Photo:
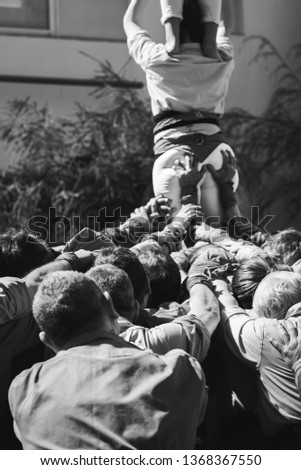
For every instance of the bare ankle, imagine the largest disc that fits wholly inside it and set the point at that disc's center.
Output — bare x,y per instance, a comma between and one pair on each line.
172,35
209,45
210,51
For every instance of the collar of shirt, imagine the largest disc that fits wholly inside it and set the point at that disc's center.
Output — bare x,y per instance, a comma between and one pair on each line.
89,337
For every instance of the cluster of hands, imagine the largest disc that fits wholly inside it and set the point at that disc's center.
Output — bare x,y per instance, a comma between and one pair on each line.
158,212
188,174
204,264
158,209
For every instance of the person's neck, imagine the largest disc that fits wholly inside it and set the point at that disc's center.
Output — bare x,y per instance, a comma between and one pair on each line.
87,336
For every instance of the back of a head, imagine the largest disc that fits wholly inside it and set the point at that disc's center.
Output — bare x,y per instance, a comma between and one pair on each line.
125,259
191,25
286,245
276,293
117,283
66,304
21,252
249,274
249,251
164,276
147,244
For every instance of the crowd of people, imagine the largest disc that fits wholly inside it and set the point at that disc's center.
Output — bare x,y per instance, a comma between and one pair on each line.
179,328
135,338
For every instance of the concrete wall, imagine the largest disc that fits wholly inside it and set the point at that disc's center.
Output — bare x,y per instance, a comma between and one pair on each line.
279,22
54,57
275,19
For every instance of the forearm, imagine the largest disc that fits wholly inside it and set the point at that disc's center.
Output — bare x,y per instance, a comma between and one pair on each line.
172,235
209,234
16,295
15,299
33,279
204,305
237,326
133,15
224,296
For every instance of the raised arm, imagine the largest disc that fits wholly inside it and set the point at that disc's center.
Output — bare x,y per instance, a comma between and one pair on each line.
133,15
16,295
81,260
204,305
203,302
191,332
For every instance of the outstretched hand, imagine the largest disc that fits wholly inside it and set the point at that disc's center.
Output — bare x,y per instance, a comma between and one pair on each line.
227,170
158,207
187,172
189,178
155,212
188,213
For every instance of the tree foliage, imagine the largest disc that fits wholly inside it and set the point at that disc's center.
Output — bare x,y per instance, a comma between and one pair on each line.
102,157
268,147
94,159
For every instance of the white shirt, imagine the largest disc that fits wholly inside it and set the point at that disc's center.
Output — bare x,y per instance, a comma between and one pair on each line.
186,81
187,332
279,401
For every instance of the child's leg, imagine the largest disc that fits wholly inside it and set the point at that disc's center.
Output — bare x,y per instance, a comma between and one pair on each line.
219,201
212,10
171,18
210,201
165,179
216,160
167,182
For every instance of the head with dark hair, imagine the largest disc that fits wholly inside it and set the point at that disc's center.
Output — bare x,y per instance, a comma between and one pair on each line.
68,303
276,294
250,273
117,283
21,252
164,275
125,259
191,26
286,245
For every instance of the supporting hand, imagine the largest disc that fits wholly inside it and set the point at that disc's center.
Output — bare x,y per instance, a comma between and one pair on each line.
290,345
227,170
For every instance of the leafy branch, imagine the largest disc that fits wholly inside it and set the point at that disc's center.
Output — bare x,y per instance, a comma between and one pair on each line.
268,147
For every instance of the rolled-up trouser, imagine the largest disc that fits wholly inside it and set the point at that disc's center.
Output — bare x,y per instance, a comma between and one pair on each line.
166,181
174,9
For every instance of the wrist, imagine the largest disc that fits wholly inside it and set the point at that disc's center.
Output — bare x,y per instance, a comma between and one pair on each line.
137,222
221,284
177,228
71,259
192,282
